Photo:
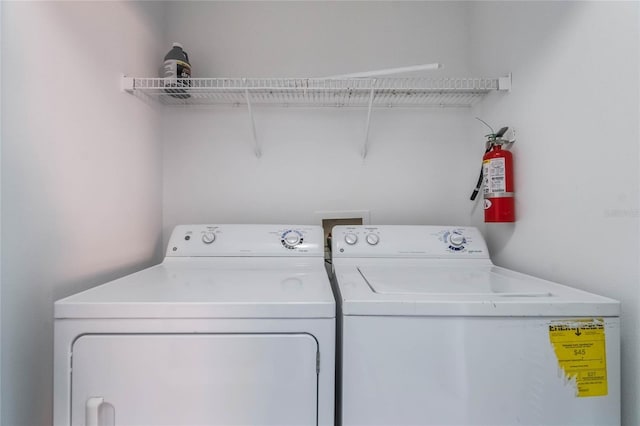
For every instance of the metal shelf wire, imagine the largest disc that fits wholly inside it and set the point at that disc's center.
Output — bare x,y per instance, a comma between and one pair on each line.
310,92
366,93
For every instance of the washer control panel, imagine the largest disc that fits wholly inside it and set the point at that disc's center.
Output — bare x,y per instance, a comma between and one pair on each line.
245,240
408,241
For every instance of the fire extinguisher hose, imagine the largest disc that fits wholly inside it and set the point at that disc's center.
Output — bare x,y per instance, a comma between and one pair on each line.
476,190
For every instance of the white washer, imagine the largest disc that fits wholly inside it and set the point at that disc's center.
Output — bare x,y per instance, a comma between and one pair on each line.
235,327
432,333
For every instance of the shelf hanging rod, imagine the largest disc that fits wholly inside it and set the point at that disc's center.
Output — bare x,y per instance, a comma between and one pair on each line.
256,146
372,94
387,71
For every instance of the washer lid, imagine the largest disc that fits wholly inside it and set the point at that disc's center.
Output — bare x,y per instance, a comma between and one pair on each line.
211,288
447,281
424,288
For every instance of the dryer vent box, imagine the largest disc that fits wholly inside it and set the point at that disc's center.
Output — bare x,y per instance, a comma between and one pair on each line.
329,219
328,224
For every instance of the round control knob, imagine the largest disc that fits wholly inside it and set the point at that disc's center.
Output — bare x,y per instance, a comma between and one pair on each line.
372,239
456,239
351,239
291,238
208,237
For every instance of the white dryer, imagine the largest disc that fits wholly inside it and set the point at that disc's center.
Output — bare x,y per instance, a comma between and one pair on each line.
432,333
235,327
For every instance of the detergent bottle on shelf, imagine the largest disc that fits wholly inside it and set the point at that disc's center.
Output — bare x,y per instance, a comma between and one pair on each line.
177,72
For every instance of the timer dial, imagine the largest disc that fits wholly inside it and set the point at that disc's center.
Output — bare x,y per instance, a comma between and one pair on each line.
456,239
290,239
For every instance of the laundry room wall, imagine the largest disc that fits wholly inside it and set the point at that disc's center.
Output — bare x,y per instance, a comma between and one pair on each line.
81,173
575,108
0,214
419,168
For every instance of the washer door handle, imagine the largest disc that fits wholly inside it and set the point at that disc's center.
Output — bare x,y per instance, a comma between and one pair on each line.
91,411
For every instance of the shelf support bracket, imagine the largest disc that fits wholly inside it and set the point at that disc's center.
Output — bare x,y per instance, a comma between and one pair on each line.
366,130
504,83
256,147
127,84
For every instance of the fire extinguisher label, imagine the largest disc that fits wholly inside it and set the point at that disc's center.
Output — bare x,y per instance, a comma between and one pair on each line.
494,175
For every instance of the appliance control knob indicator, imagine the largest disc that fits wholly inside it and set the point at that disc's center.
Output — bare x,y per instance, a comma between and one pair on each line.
290,239
208,237
456,241
373,239
351,238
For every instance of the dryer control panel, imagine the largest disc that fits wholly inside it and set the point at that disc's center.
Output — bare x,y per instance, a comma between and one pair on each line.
246,240
408,241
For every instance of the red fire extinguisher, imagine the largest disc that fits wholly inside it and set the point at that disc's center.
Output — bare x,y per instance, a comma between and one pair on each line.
497,177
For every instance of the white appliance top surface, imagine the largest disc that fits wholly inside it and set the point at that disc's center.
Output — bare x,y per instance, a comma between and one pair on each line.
211,288
220,271
448,281
443,271
449,287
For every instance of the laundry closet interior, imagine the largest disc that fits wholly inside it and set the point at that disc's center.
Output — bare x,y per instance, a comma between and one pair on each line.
95,174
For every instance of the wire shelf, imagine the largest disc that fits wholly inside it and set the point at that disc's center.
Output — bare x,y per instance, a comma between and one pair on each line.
315,92
309,92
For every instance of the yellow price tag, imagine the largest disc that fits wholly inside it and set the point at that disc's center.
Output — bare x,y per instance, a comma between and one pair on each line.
579,345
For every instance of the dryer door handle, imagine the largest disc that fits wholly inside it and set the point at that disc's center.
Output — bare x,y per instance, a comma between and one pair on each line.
92,408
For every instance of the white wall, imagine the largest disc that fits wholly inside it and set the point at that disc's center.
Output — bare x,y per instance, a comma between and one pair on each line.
81,173
0,214
575,107
421,166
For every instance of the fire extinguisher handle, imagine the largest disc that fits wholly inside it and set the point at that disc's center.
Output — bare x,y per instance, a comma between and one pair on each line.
501,132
